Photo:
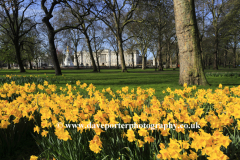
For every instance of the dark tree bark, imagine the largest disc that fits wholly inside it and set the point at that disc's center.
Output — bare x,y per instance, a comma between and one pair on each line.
117,60
52,47
234,51
155,63
76,57
215,54
225,55
177,58
209,63
30,64
18,55
90,52
37,66
191,71
168,56
159,55
120,46
51,32
8,66
97,62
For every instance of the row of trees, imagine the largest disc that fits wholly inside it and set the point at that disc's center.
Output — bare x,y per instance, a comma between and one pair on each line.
158,27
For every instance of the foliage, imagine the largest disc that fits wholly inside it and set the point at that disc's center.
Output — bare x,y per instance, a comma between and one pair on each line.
223,74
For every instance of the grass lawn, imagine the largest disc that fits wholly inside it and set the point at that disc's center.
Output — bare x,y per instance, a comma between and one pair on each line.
115,79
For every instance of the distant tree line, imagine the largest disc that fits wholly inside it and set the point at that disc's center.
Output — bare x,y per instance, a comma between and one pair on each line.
209,37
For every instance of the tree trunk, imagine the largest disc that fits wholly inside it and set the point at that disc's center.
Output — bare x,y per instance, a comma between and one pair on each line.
117,60
76,57
206,62
160,65
191,71
155,63
170,61
8,66
209,60
215,54
167,62
143,62
30,64
18,54
219,61
201,44
37,66
52,48
97,62
225,56
234,51
168,56
132,60
54,54
120,47
90,52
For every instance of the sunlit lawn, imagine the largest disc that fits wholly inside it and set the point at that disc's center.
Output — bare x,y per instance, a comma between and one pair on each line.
115,79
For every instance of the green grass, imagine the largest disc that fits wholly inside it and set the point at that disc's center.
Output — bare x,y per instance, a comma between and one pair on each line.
115,79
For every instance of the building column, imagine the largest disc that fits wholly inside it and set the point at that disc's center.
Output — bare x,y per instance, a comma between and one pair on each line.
74,60
39,63
135,57
109,58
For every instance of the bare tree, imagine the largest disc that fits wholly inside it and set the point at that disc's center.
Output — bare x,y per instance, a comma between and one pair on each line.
86,23
216,9
112,41
52,32
98,42
13,22
74,36
116,15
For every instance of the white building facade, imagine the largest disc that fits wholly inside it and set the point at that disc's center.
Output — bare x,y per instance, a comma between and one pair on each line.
108,58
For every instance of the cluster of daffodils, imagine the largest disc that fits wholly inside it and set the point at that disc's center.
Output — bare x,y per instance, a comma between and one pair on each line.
218,114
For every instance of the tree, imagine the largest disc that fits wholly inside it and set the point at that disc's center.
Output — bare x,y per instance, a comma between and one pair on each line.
13,22
161,16
131,46
201,15
191,71
142,34
74,36
216,8
7,50
112,41
86,21
116,15
153,49
98,42
52,32
7,53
